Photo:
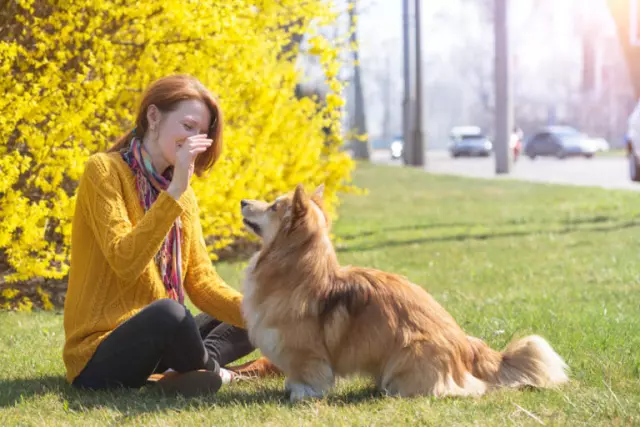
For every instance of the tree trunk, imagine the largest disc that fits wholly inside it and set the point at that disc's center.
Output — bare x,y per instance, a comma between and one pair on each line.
361,149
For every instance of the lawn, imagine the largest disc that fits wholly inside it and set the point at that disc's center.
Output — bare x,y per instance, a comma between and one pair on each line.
614,152
505,258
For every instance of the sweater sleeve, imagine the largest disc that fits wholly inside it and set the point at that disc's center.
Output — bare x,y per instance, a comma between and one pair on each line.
205,287
128,249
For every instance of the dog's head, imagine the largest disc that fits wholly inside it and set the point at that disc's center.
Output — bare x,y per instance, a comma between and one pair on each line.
287,214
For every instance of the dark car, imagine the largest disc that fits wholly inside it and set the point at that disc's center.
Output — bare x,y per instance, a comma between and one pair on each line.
560,142
469,141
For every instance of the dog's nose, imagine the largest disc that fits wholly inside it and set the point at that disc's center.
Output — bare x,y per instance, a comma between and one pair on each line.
243,203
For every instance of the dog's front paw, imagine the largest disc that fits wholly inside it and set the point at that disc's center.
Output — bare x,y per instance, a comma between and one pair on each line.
299,391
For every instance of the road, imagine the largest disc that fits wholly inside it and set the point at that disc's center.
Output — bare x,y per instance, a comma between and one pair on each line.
603,171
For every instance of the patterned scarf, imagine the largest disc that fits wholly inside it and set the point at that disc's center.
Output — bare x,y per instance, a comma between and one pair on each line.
149,183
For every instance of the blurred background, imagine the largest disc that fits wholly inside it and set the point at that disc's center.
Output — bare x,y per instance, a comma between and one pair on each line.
570,78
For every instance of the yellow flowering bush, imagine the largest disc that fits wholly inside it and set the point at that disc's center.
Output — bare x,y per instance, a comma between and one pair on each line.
13,299
44,299
73,72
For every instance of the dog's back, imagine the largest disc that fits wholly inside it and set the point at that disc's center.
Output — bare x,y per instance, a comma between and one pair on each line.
373,322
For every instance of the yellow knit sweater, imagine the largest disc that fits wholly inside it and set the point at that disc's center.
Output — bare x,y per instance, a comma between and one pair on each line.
113,274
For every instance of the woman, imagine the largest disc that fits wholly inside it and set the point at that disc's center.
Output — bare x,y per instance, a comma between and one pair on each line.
137,248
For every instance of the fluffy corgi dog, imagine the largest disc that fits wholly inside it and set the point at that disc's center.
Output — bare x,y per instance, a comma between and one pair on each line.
317,320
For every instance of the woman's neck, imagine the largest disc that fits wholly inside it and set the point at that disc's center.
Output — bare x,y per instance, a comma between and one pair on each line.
157,159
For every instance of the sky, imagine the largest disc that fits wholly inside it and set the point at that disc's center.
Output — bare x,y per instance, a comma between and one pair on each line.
540,31
381,20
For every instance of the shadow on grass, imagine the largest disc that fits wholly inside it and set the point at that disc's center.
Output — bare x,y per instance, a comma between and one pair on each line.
147,400
570,227
598,219
367,233
591,220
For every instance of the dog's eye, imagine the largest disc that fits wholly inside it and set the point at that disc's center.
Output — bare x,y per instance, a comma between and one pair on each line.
274,207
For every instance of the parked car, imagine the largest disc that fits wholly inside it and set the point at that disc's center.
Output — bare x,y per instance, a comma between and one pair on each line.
602,144
469,141
561,142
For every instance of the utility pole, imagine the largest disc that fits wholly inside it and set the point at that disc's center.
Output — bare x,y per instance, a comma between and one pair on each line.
502,72
418,141
407,110
360,148
413,106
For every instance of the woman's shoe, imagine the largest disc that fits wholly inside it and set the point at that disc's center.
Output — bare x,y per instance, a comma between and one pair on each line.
228,376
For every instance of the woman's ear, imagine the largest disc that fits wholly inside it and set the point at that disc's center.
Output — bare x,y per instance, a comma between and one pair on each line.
153,117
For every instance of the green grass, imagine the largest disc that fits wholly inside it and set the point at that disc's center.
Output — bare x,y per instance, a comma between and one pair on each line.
505,258
615,152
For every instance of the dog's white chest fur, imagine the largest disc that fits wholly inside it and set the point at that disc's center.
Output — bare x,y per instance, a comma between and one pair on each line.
249,309
267,339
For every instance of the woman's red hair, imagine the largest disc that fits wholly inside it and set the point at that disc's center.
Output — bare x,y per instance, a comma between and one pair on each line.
166,93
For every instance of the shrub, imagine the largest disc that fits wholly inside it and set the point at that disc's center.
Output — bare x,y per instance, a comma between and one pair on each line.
73,73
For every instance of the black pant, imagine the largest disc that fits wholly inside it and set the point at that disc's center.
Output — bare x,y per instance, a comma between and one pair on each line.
163,335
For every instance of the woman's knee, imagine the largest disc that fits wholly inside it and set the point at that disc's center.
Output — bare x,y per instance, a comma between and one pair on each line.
169,313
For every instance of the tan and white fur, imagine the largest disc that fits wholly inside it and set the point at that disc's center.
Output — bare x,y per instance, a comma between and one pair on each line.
317,320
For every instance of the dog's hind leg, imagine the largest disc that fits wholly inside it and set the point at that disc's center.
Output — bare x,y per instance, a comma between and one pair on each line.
308,378
409,374
407,383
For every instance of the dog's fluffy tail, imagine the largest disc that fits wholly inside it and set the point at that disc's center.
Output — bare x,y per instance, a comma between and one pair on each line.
529,361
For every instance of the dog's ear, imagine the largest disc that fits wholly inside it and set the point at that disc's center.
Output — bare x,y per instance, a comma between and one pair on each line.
298,209
300,202
317,196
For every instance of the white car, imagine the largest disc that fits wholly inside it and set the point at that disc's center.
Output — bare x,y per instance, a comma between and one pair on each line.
397,147
601,144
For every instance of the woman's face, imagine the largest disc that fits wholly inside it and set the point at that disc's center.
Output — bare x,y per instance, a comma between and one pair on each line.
168,131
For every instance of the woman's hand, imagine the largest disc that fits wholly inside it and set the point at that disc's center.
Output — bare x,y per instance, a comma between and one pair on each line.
184,167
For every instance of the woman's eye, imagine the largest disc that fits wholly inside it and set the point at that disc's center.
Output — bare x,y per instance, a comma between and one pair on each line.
188,127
